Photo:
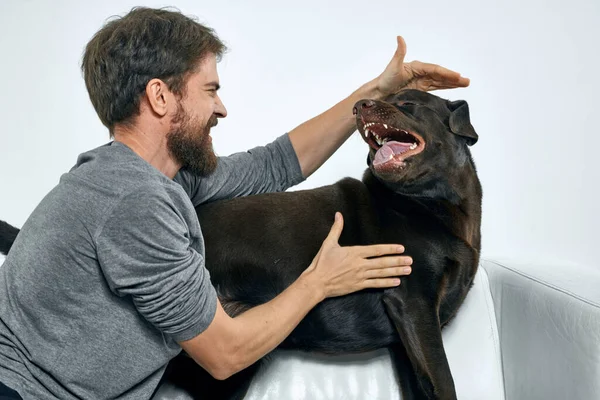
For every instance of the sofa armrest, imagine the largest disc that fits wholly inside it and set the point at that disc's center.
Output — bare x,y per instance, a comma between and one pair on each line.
549,325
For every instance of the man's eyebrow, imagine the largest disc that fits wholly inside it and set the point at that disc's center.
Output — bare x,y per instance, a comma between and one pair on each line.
215,85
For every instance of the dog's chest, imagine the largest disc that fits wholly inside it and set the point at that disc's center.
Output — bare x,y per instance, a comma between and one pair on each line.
425,237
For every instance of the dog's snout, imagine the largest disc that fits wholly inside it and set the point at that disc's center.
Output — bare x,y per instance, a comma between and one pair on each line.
366,103
361,105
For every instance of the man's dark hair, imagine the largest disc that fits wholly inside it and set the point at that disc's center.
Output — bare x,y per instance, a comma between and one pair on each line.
129,51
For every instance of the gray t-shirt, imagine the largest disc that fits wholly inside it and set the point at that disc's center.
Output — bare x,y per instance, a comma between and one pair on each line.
108,274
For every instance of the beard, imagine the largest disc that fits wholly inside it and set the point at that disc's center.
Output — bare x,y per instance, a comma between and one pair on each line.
190,145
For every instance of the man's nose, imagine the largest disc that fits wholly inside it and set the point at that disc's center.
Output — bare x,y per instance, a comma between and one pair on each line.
220,110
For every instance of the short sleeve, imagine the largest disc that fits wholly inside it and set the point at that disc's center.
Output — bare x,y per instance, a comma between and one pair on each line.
144,250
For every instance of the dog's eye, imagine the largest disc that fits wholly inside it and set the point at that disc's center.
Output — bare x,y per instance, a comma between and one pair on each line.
406,103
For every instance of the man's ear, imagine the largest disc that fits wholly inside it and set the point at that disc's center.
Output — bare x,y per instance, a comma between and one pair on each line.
460,122
157,93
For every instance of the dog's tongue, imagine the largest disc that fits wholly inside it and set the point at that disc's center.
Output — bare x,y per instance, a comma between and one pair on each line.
389,150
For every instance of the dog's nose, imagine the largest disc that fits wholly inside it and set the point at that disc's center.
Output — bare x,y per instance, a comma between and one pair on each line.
362,104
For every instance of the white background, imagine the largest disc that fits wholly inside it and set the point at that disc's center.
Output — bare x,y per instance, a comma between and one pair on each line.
533,97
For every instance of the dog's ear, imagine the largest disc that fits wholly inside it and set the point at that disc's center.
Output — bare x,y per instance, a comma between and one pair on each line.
460,121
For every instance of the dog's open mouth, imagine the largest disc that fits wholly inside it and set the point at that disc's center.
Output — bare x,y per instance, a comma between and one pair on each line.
392,145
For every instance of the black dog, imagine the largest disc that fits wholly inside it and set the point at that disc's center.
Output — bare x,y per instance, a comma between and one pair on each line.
421,190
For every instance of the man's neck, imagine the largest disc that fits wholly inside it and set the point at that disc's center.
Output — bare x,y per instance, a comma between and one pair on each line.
150,146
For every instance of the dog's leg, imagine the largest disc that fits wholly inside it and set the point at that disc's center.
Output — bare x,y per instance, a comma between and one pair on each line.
418,326
405,373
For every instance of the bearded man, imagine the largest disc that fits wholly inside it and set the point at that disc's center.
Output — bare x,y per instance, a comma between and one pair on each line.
106,281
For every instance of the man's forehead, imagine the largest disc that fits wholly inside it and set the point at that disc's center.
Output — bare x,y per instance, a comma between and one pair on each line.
206,71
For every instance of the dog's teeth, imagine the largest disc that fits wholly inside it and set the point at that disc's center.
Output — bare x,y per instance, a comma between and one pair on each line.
385,126
414,146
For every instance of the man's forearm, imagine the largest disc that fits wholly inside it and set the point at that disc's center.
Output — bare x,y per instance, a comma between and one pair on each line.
318,138
262,328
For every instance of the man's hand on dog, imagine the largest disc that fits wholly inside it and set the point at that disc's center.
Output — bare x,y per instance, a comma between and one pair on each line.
399,75
341,270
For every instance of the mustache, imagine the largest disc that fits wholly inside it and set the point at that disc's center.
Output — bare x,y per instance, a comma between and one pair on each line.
213,121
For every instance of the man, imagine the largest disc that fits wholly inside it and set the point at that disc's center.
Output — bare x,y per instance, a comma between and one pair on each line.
106,281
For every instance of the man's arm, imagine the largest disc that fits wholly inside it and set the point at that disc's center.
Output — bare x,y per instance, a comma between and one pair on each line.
229,345
293,157
263,169
318,138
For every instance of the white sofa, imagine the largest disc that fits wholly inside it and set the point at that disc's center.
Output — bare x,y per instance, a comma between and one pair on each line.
525,331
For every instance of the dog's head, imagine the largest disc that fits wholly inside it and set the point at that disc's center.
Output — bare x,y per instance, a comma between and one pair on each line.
415,138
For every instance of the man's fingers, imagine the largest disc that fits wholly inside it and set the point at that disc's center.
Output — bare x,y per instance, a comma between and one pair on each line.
440,84
441,78
377,250
387,272
401,50
336,228
463,82
381,283
391,261
436,72
398,59
395,261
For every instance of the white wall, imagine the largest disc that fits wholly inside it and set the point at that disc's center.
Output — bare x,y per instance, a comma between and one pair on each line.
533,66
